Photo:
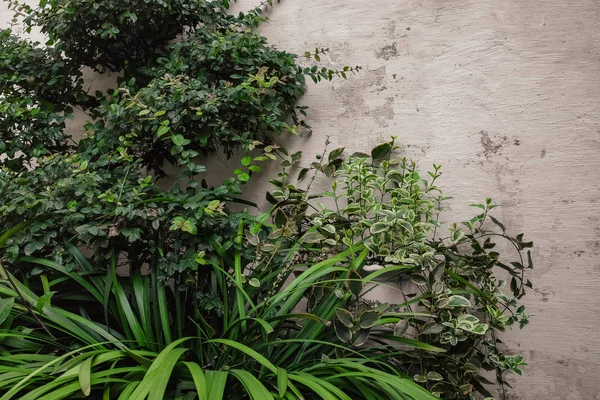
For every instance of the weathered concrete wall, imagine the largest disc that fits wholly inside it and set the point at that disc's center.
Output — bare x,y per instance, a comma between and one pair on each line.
506,96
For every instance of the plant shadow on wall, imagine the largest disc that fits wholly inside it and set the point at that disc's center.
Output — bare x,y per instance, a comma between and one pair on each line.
113,288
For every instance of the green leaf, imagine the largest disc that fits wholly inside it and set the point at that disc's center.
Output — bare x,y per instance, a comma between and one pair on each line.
312,237
199,378
248,351
270,198
189,226
255,389
302,173
407,226
457,301
360,337
6,306
342,332
85,376
345,317
500,224
401,327
354,282
282,381
369,318
432,328
162,130
179,140
44,300
217,381
246,160
329,228
31,247
381,151
379,227
254,282
336,153
143,112
244,177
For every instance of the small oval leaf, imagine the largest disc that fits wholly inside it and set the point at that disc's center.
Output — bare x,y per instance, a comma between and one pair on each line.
345,317
342,332
401,327
381,151
360,337
369,318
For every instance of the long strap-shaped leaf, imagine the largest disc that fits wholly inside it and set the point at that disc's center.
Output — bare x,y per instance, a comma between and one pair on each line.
156,379
216,381
255,389
199,380
252,353
25,381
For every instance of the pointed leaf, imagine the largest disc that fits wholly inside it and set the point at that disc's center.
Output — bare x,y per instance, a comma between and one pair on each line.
282,381
85,376
6,306
354,282
336,153
457,301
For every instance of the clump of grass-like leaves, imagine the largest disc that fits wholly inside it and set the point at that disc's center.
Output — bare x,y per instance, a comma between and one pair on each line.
67,335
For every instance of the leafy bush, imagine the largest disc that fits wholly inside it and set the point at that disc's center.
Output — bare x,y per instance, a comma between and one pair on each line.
383,203
116,283
217,86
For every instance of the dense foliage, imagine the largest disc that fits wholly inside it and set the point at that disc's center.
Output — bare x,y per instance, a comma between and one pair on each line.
119,282
69,335
383,203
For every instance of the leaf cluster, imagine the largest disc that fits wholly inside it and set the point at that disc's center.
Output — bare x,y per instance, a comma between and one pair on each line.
383,202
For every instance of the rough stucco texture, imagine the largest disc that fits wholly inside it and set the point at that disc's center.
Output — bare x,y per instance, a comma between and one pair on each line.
506,96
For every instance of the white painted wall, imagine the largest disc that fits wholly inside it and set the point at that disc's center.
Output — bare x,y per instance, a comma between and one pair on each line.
506,96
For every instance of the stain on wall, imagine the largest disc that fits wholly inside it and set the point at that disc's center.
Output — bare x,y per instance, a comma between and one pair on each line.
506,96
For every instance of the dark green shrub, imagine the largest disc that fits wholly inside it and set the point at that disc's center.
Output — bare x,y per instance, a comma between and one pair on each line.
218,86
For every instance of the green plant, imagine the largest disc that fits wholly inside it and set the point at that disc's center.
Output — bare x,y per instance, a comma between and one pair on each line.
383,202
202,82
176,296
71,335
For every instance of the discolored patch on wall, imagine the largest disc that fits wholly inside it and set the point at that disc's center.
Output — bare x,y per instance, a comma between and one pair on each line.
352,95
491,146
388,52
